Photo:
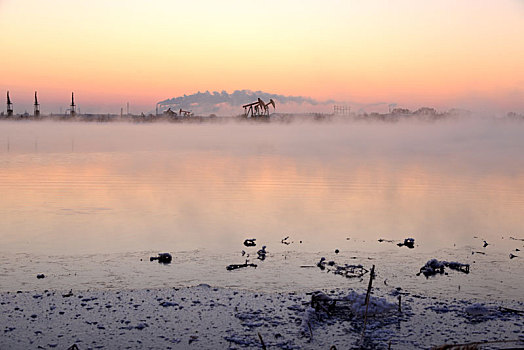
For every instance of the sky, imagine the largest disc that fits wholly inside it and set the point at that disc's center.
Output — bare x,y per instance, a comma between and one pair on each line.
443,54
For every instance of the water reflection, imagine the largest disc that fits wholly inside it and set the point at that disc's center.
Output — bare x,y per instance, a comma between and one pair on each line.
99,194
179,187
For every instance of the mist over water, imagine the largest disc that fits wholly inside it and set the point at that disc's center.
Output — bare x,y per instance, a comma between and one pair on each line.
83,191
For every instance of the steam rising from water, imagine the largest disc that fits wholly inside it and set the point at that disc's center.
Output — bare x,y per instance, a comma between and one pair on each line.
481,143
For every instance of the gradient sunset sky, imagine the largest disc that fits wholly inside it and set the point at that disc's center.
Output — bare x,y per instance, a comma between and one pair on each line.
466,54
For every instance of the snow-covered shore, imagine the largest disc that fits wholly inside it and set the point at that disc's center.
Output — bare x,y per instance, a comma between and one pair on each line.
205,317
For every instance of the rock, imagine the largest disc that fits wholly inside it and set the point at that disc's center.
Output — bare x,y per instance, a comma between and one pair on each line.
408,242
262,253
193,338
40,275
163,258
285,240
432,267
250,242
435,266
167,304
322,263
476,310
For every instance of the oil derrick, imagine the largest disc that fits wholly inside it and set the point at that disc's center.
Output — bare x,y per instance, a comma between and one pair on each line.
258,109
73,106
9,106
37,107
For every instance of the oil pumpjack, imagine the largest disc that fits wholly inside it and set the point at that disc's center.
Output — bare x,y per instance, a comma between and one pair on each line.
9,106
258,109
73,106
37,107
183,113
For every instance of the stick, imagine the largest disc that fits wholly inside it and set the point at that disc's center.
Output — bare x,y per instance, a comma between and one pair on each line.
399,303
369,285
371,275
262,341
459,346
505,309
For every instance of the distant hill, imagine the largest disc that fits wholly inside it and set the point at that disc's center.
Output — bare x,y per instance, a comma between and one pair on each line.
223,103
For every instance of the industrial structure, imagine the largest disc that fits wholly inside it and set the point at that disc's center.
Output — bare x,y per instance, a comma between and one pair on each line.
9,106
170,113
258,109
341,110
73,106
37,107
183,113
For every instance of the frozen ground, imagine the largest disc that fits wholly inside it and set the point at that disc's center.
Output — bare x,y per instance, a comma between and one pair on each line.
205,317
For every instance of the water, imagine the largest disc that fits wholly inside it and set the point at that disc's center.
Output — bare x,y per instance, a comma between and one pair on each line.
87,204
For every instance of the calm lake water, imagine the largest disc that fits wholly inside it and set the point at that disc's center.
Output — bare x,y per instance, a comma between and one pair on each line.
87,204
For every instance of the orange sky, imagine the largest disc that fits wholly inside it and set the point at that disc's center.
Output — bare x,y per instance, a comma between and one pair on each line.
439,53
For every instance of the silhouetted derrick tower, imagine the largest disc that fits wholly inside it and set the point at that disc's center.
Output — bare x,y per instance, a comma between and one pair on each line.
73,106
37,107
9,106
